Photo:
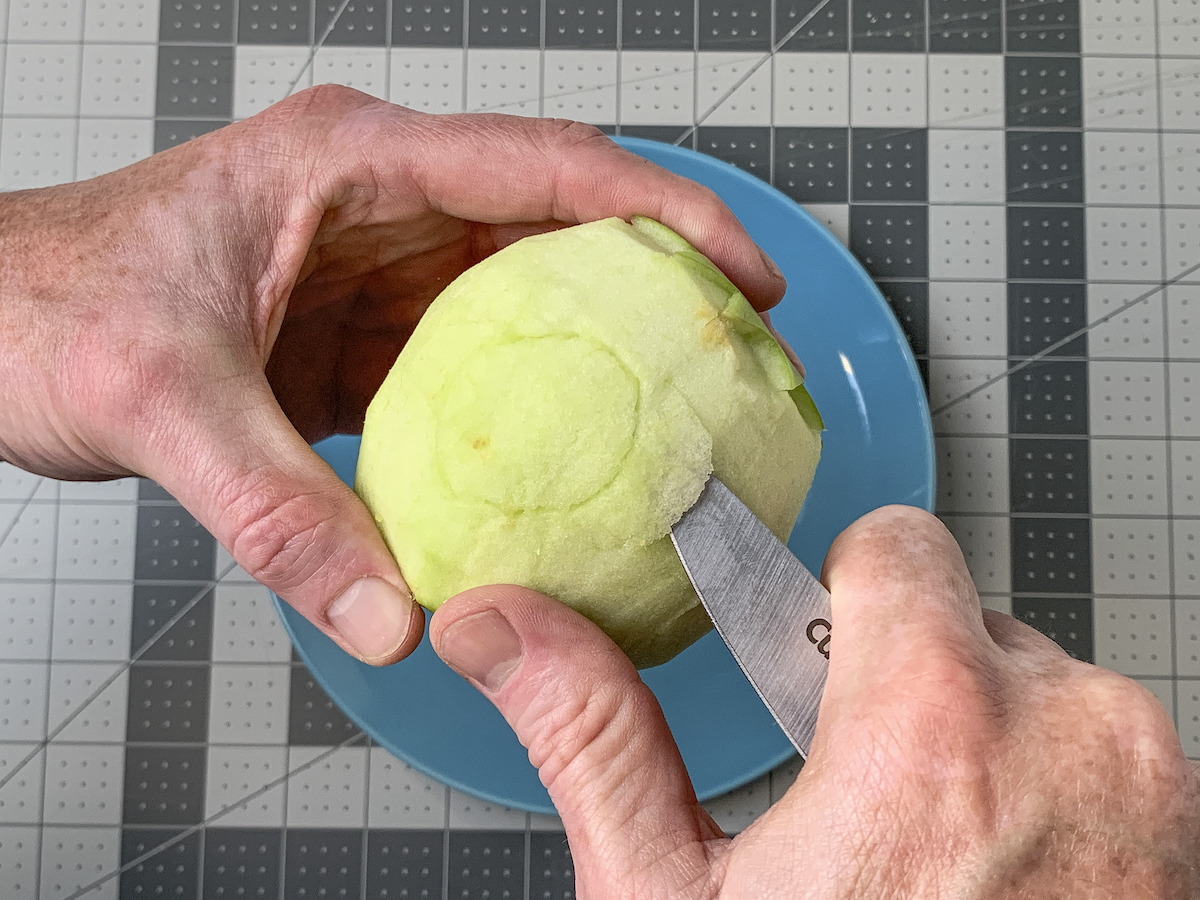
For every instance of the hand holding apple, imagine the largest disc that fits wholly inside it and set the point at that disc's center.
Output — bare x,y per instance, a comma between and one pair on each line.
201,316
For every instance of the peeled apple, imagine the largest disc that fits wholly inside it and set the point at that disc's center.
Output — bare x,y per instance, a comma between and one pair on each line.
560,406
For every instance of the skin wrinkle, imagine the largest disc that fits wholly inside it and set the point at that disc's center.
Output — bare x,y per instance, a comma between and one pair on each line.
557,150
662,858
579,722
653,850
278,533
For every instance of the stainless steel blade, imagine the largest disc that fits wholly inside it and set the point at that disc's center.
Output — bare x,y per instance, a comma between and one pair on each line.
773,614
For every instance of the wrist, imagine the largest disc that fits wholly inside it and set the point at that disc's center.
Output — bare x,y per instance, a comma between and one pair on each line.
37,269
108,285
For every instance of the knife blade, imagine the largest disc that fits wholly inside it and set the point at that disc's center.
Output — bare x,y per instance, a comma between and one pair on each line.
772,613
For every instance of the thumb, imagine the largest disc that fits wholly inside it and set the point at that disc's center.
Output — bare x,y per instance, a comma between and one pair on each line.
245,473
596,734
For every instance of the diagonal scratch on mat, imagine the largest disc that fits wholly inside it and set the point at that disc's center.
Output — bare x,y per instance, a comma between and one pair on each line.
117,673
192,829
21,510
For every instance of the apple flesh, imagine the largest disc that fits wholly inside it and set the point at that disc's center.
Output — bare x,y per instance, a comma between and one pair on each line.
561,405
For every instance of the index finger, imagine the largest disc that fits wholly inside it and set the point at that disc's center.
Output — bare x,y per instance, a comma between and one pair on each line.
511,169
903,606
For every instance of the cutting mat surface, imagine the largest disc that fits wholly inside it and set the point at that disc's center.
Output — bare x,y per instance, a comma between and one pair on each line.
1022,180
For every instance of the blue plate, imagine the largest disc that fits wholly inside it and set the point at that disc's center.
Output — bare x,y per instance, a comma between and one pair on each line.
878,450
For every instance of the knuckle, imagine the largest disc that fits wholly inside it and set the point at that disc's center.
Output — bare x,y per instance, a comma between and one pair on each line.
903,545
908,524
570,134
1109,690
581,726
303,123
326,99
951,684
558,141
1138,713
273,537
1128,727
942,700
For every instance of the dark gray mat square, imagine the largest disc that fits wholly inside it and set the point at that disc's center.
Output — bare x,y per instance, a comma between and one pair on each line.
170,133
172,546
1043,91
551,869
585,25
314,719
1042,26
812,165
195,80
824,31
1042,314
889,164
164,785
500,23
404,863
242,863
171,872
168,703
1044,166
657,25
427,23
1051,556
323,862
363,23
747,147
201,21
890,26
1049,396
275,22
891,241
735,25
486,864
1065,620
154,605
151,491
1049,475
909,301
965,26
1046,242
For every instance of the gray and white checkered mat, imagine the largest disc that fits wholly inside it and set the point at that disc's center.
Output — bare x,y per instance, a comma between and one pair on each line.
1021,179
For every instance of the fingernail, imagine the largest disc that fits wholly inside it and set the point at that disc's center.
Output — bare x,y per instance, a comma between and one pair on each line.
373,616
770,264
482,646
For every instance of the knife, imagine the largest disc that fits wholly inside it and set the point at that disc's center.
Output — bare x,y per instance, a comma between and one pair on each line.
772,613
